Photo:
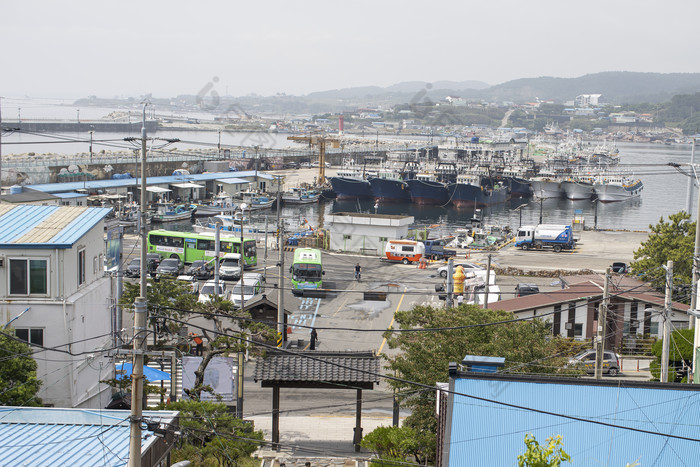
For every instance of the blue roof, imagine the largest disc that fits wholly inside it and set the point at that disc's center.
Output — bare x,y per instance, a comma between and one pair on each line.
29,226
488,433
58,437
130,182
70,195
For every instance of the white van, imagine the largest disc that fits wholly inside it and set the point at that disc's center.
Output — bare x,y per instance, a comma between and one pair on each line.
252,285
230,267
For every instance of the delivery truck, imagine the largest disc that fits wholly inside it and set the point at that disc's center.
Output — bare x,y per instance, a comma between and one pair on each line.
537,237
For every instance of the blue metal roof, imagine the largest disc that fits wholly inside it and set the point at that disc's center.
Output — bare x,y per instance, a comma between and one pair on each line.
487,433
29,226
121,183
59,437
70,195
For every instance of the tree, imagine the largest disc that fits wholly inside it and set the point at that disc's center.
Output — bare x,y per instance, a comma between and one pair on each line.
392,443
551,455
18,379
680,355
424,357
674,241
211,435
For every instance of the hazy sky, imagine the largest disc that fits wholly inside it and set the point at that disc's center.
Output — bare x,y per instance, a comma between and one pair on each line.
80,48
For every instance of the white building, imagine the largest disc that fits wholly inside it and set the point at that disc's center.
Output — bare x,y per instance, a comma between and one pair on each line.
54,294
366,233
587,100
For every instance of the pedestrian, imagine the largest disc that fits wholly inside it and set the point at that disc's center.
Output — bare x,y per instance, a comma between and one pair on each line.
200,344
314,336
460,299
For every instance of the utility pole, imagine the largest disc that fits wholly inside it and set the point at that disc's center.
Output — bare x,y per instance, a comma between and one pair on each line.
694,323
602,328
281,335
140,320
667,322
0,145
450,283
488,281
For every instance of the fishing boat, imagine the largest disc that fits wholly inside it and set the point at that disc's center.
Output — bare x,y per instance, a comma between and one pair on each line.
221,203
425,189
167,212
546,185
297,196
476,191
350,183
389,187
255,201
617,187
578,187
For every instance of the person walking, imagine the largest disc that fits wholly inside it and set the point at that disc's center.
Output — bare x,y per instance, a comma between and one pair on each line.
358,271
200,344
314,337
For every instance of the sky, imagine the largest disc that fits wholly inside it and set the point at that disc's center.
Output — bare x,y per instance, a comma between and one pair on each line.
167,48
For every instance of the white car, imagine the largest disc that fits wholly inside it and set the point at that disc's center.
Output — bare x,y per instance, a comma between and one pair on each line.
230,267
442,270
251,284
305,165
208,290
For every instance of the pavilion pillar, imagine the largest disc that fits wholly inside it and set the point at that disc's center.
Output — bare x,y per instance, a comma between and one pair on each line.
276,417
358,422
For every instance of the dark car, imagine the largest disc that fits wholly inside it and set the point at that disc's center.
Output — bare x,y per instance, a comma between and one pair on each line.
169,267
202,270
522,289
134,268
291,165
619,268
152,262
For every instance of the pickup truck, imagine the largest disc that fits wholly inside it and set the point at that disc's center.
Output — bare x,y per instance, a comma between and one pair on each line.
435,249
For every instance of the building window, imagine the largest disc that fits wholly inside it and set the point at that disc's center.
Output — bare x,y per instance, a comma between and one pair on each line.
347,237
29,276
578,329
383,239
33,336
81,266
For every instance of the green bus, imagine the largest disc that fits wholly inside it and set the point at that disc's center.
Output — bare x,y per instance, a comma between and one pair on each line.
191,247
307,270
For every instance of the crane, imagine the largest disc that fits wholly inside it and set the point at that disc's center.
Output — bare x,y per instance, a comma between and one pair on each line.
319,141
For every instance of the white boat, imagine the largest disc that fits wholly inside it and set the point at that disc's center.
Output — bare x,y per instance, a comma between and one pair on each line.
221,203
619,187
255,201
546,185
167,212
578,187
300,196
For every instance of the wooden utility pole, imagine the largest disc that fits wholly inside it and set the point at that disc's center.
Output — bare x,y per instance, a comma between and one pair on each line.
319,141
602,327
667,322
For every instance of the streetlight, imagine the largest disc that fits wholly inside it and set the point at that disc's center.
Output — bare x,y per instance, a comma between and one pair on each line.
78,111
240,259
19,114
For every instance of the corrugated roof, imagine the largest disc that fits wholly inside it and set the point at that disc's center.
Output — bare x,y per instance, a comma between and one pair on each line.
28,226
77,437
319,367
121,183
490,434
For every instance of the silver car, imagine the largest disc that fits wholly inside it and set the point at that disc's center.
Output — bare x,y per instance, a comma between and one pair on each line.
442,270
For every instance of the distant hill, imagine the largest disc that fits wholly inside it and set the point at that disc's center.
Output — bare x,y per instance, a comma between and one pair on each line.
616,87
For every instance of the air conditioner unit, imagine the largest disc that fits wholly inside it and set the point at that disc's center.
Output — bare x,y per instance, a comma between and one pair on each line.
568,325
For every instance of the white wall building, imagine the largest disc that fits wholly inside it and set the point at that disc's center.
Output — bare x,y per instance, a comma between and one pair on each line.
587,100
54,294
366,233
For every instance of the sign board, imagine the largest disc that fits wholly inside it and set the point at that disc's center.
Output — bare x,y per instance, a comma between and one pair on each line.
220,375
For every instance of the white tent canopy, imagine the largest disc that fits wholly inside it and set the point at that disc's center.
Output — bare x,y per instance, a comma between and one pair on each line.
187,185
157,189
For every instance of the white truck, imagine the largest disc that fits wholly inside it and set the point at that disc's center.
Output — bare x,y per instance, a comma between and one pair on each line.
556,236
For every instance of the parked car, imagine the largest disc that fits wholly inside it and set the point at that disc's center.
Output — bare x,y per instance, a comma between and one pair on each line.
169,267
252,285
229,267
191,281
442,270
152,262
619,268
586,360
202,269
209,288
291,165
134,268
306,165
522,289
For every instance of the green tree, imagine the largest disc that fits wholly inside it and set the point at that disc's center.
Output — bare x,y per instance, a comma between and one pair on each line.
18,379
424,356
675,241
392,443
551,455
211,435
680,355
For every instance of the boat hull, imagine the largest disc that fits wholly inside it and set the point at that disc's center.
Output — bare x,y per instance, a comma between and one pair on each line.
428,192
171,217
519,187
351,188
547,189
578,190
465,195
391,191
611,192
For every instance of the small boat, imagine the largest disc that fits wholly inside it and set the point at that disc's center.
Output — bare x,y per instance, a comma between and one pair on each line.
221,203
166,212
619,187
300,196
255,201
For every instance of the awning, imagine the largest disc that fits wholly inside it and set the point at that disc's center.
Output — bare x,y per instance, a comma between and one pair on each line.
233,181
187,185
157,189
